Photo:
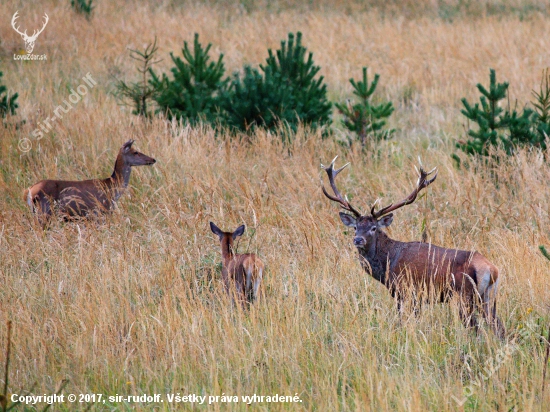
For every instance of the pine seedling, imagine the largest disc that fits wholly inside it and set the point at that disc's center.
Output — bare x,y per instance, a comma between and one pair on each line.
83,7
488,117
521,129
547,356
141,93
542,108
197,85
544,252
498,126
303,95
8,104
250,103
363,118
284,92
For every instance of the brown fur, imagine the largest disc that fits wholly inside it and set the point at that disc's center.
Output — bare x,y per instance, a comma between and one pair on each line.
427,271
424,270
243,272
86,197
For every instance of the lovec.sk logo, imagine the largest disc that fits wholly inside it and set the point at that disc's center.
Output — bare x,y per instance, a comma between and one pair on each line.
29,40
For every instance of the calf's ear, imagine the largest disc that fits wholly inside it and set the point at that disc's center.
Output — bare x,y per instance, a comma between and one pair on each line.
216,230
239,231
126,146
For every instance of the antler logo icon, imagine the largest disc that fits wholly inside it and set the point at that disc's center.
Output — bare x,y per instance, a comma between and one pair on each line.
29,40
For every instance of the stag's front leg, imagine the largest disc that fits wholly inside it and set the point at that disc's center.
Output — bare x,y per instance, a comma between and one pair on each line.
417,306
400,301
400,308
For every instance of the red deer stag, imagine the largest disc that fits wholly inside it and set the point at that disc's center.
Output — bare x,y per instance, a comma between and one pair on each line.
83,198
417,266
243,271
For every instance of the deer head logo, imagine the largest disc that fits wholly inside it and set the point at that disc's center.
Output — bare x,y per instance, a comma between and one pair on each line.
29,40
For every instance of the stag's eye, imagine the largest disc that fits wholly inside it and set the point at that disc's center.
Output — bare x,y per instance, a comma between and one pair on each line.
373,229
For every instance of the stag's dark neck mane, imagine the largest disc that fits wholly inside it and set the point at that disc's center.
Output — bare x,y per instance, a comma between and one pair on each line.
375,259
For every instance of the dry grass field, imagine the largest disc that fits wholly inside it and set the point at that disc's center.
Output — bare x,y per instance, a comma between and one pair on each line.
133,304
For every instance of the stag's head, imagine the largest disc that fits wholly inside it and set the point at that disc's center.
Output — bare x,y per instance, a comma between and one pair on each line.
29,40
134,158
368,226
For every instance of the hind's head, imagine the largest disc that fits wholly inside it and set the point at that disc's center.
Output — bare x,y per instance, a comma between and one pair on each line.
134,158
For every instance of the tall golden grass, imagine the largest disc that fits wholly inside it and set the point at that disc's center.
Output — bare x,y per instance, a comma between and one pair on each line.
134,304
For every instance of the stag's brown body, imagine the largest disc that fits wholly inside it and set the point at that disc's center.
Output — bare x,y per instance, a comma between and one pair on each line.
424,270
438,272
243,272
82,198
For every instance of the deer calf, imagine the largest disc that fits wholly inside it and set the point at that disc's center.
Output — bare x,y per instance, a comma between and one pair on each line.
417,266
83,198
244,272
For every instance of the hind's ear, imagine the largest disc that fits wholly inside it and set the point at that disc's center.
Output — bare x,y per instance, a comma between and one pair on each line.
126,146
239,231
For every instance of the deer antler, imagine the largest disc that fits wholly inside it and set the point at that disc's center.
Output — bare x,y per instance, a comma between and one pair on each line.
15,16
36,33
420,184
25,35
338,197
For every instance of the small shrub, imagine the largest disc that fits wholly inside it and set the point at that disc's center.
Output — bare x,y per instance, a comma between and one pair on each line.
363,118
142,93
8,104
286,92
303,94
542,108
83,7
544,252
502,127
249,101
489,117
197,86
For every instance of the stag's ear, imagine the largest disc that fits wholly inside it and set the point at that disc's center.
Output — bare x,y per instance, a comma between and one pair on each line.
239,231
216,230
348,220
126,146
386,220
